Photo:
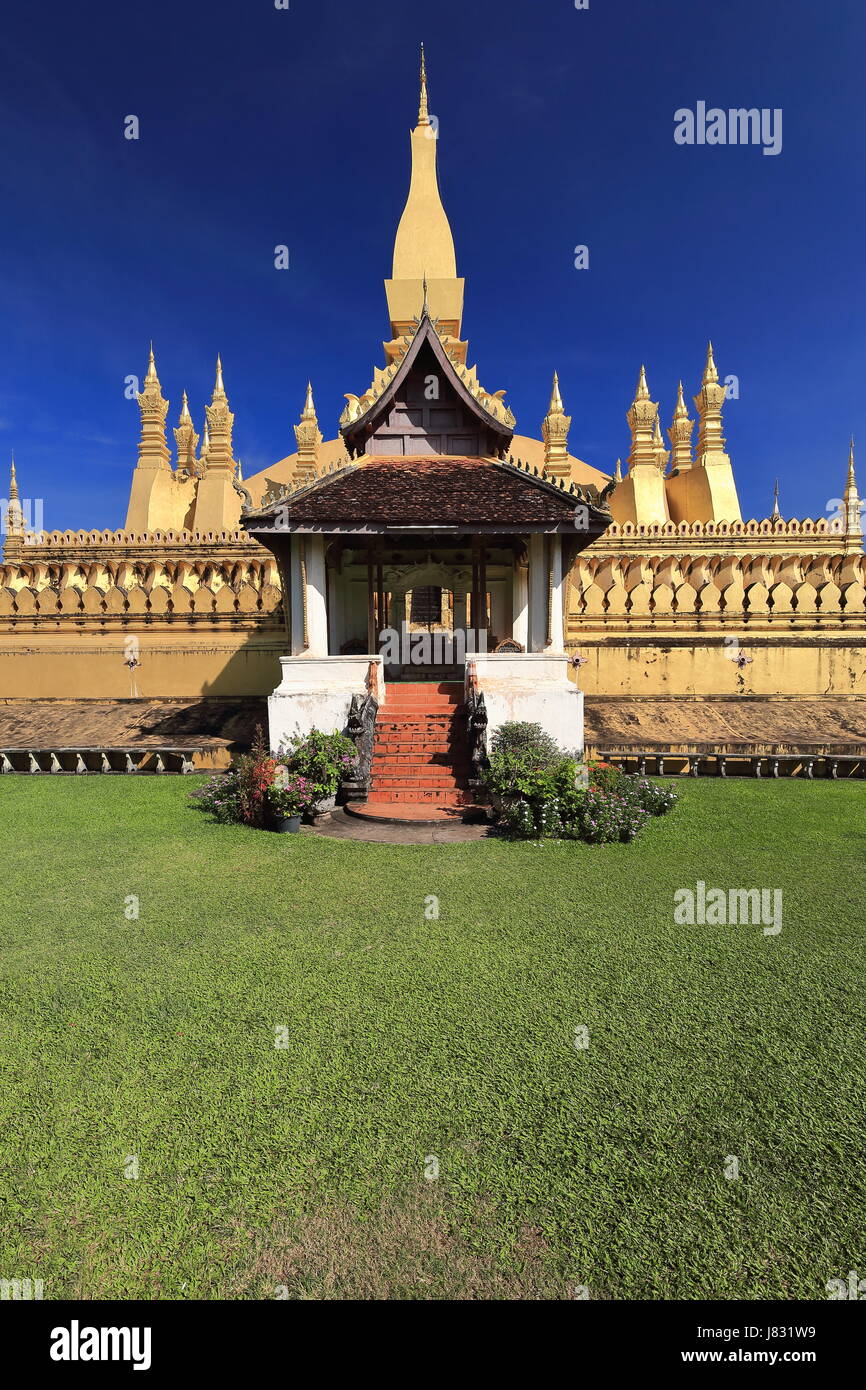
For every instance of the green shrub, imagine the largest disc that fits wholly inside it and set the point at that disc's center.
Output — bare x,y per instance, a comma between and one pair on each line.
540,800
323,759
520,754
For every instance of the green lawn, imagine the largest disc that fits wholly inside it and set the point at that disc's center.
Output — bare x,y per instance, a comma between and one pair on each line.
411,1040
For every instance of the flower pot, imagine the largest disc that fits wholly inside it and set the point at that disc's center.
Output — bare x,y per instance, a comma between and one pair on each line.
287,825
319,809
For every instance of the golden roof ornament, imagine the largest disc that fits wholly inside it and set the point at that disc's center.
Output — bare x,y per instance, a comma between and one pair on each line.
308,437
852,506
186,440
220,422
153,450
710,369
554,432
709,402
13,545
680,435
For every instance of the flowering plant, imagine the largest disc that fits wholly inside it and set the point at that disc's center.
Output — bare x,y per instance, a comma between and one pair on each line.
544,801
289,794
220,797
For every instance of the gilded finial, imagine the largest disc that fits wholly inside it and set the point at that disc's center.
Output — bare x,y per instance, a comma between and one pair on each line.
423,114
309,410
617,472
642,392
555,398
184,411
776,514
13,481
219,388
151,365
680,408
710,370
851,478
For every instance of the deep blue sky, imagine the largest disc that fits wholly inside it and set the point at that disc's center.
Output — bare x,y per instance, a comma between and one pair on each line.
261,126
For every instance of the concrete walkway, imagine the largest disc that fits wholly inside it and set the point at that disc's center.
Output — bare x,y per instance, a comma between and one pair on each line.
338,826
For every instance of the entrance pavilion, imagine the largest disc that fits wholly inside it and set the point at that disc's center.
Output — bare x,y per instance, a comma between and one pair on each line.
420,561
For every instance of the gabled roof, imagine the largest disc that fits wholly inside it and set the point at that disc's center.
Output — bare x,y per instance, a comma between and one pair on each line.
433,492
356,431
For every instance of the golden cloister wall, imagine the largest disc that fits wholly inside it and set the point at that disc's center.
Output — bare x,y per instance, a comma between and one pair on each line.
764,608
198,615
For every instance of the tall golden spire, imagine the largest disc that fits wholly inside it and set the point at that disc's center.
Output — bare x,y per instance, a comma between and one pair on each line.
424,246
423,113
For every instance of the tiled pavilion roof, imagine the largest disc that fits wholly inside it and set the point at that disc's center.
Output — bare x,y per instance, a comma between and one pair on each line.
429,490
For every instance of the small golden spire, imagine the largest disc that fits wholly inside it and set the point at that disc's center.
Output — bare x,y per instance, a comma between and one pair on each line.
423,113
642,392
219,389
184,411
12,545
205,441
151,365
617,472
776,515
680,407
239,474
555,398
852,482
710,370
309,410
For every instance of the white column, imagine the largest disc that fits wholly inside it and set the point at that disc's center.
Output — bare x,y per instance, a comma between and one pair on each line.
336,609
520,605
297,597
556,643
537,595
317,600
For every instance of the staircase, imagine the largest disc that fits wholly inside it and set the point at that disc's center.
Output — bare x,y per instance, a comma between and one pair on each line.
421,767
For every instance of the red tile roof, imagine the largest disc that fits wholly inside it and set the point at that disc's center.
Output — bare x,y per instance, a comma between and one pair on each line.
429,490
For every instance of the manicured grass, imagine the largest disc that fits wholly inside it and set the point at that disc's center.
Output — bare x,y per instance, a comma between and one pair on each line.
409,1039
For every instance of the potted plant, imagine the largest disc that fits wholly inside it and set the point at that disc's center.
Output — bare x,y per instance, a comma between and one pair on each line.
289,795
323,760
